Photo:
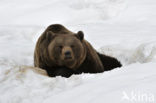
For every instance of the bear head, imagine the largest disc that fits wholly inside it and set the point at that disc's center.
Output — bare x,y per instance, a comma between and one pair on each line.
66,49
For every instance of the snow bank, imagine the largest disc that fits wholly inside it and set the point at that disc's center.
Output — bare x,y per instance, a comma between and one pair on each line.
24,84
143,53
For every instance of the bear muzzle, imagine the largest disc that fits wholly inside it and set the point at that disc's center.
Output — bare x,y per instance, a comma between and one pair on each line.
67,54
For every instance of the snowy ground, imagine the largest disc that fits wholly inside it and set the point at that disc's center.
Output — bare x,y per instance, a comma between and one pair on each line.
125,29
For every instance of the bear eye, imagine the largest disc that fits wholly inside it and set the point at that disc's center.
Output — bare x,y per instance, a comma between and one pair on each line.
60,46
72,46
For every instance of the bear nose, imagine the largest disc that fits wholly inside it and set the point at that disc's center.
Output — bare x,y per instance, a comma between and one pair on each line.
67,55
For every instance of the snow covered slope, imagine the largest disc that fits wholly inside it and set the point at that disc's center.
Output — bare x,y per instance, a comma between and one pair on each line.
124,29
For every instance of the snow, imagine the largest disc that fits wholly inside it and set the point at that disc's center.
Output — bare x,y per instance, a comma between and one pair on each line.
124,29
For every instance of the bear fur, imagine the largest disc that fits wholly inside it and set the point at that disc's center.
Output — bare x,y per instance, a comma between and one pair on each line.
63,53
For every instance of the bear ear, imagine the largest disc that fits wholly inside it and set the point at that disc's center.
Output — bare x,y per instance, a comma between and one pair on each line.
49,35
80,35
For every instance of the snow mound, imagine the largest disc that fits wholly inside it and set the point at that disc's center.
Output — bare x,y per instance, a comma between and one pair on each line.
144,53
27,84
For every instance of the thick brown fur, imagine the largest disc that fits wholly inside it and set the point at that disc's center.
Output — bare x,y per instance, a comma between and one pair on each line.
88,59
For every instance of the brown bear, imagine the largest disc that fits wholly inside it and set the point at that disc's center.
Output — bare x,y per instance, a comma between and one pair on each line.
63,53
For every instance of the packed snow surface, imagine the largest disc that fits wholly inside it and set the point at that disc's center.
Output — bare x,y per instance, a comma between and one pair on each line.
125,29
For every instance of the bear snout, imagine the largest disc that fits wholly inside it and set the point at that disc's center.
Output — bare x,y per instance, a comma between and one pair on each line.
67,53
